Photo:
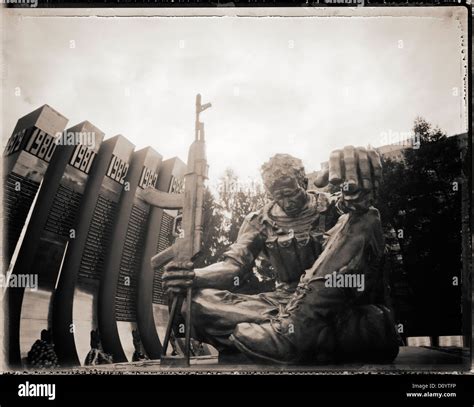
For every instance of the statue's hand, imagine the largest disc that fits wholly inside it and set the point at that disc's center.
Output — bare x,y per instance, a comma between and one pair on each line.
357,171
178,276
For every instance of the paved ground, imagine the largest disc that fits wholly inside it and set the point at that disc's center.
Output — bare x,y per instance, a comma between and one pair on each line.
410,359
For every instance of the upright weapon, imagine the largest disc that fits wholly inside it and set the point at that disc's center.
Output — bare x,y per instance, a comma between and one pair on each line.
188,245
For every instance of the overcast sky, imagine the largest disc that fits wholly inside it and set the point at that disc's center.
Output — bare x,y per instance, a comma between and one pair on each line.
303,86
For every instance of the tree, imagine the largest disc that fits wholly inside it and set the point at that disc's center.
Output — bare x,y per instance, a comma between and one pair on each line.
238,200
214,241
223,215
421,198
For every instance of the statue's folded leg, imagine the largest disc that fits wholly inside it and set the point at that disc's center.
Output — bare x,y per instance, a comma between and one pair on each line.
215,313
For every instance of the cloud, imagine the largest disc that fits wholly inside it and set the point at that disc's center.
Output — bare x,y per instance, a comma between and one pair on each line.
301,85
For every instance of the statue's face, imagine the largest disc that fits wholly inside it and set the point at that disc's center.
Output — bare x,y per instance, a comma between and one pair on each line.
289,196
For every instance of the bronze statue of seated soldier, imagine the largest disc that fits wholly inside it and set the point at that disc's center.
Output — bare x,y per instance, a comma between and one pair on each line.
318,244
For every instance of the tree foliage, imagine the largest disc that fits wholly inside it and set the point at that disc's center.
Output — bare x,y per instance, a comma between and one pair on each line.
214,239
421,199
224,213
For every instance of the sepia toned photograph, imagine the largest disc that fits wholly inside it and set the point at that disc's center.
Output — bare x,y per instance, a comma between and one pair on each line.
253,190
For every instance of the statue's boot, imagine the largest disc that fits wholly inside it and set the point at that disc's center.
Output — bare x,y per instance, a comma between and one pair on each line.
324,324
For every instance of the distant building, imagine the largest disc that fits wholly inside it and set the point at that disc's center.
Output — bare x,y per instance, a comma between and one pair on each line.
394,152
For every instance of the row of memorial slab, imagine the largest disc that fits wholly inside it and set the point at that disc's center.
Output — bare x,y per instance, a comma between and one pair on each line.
79,236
